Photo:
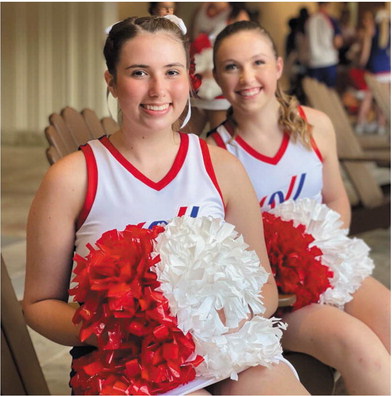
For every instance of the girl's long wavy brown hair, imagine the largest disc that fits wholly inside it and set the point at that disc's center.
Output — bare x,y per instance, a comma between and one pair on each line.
289,118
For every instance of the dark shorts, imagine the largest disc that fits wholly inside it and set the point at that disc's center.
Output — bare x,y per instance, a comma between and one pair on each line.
326,75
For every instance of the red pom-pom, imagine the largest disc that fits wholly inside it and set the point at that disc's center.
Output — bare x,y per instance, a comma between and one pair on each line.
140,348
296,265
201,42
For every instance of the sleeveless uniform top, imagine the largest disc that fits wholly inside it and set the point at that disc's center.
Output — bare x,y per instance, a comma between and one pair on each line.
294,172
118,194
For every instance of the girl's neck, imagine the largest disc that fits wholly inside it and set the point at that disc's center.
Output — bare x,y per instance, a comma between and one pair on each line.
139,145
262,122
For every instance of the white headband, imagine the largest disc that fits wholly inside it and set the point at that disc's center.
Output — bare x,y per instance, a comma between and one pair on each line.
178,21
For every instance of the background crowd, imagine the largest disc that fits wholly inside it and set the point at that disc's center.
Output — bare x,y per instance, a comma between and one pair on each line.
328,46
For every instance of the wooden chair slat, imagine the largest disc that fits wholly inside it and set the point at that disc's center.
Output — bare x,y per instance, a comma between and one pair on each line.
18,342
52,155
109,125
56,139
326,99
57,121
381,93
77,126
70,129
93,123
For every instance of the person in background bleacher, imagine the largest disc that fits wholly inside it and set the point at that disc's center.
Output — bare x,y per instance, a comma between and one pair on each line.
162,8
374,57
325,39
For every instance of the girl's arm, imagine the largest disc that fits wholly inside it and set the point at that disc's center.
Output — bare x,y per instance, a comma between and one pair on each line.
50,246
243,211
334,193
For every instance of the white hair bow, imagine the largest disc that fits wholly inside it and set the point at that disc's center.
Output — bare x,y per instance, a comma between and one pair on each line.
178,21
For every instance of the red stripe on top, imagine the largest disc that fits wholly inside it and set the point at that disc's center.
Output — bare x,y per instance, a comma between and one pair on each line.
302,113
250,150
92,184
209,167
312,141
269,160
218,140
316,149
175,168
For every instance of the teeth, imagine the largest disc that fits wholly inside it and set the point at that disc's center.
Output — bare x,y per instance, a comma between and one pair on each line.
156,108
250,92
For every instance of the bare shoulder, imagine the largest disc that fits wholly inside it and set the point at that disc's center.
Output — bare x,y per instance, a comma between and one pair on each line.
318,119
229,171
323,129
70,169
65,183
222,160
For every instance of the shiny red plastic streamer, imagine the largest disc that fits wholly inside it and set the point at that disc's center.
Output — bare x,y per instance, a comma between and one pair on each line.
296,265
141,351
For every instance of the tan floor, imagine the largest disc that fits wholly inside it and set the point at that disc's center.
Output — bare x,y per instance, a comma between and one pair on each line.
22,170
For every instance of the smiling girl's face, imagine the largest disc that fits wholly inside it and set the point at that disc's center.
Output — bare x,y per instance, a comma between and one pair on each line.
151,84
247,70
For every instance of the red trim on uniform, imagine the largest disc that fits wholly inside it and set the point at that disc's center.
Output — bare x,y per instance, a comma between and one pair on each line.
229,127
312,141
176,167
316,149
218,140
269,160
302,113
92,184
209,167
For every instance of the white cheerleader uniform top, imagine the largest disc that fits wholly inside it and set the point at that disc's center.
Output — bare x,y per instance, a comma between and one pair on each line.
293,172
119,195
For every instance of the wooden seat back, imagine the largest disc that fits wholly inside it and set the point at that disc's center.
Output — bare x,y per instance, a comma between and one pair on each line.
21,373
349,150
71,129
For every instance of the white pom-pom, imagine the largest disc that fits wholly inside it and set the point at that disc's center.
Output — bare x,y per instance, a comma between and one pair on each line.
347,257
205,268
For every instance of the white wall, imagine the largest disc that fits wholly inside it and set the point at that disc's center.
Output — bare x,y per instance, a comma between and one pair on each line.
51,58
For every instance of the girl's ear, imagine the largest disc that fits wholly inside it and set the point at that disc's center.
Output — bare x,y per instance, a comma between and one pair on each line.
110,83
279,67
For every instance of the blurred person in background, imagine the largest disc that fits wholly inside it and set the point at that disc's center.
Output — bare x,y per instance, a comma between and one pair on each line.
324,38
297,54
162,8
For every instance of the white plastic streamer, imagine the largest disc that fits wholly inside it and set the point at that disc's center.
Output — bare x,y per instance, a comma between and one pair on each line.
347,257
206,269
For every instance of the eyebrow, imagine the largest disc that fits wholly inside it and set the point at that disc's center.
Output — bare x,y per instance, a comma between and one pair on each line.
146,66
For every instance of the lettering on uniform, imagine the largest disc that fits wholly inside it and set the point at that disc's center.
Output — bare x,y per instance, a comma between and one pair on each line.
294,191
193,212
